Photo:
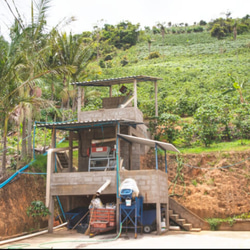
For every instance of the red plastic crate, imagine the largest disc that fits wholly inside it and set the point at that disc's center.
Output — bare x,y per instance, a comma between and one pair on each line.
102,216
99,224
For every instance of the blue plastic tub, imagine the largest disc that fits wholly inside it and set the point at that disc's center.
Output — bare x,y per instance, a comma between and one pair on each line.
126,193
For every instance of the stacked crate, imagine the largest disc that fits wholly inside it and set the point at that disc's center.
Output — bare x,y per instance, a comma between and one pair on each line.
102,219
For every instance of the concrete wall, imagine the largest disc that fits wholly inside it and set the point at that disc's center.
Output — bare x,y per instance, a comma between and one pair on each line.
152,184
130,113
114,102
86,183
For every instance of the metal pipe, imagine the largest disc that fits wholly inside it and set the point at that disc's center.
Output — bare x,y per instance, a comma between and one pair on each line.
104,186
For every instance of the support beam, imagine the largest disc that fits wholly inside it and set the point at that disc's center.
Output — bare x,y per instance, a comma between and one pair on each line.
166,163
158,217
51,217
156,157
79,100
117,177
135,93
156,101
110,91
49,198
71,151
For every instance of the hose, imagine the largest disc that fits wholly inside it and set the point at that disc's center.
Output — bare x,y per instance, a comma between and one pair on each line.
93,241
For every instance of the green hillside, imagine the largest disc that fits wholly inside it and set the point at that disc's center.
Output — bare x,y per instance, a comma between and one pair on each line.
205,85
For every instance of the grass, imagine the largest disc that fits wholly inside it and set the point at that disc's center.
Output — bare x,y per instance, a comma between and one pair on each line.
239,145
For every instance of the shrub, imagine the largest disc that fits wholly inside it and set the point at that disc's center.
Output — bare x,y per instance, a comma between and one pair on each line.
37,209
198,29
155,54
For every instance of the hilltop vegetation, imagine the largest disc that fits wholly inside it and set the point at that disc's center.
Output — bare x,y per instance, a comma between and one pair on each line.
203,95
205,86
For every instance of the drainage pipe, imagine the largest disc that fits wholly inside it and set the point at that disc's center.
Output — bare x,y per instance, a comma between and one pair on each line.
104,186
30,235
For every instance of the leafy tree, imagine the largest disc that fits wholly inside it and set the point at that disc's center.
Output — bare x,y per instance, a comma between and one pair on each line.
203,23
167,124
242,121
206,122
221,28
234,85
122,36
162,29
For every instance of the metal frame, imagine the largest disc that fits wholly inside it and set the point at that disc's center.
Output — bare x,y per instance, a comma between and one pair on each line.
132,214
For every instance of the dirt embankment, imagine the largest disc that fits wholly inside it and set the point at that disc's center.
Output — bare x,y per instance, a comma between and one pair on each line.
210,185
15,198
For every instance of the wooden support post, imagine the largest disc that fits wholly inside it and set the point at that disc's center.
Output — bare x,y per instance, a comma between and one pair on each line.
117,215
51,217
156,101
135,93
167,216
49,199
158,217
53,145
110,91
79,101
71,151
156,157
117,177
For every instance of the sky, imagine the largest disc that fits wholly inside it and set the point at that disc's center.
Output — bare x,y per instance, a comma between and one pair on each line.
90,13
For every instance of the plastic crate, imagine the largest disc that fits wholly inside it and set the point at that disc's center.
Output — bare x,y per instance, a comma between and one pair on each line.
106,216
99,224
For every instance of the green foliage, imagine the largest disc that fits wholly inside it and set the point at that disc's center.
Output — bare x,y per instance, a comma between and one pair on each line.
214,223
194,182
155,54
167,127
124,61
37,209
40,164
198,29
242,120
178,177
122,36
187,133
221,28
206,121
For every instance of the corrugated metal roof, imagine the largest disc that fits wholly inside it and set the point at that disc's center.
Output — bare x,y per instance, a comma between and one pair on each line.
114,81
74,126
148,142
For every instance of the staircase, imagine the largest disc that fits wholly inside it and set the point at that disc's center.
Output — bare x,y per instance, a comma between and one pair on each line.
182,223
63,160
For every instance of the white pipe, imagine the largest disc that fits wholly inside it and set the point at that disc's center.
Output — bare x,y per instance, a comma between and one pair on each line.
102,140
30,235
98,192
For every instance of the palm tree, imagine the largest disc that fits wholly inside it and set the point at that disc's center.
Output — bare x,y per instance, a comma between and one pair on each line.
26,64
9,65
75,55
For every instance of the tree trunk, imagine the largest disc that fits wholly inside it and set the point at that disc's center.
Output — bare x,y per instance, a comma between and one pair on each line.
29,137
24,148
4,154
